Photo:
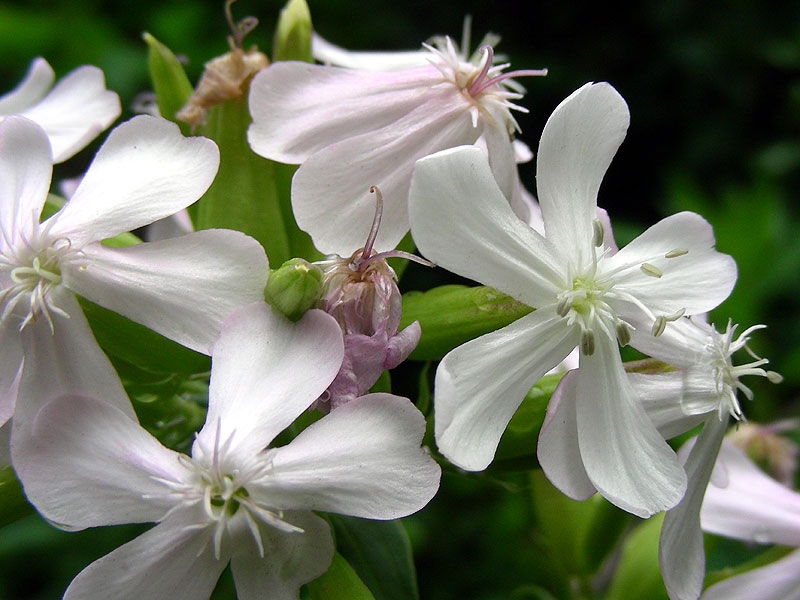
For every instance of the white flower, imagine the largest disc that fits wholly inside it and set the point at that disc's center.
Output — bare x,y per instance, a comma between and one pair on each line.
72,114
182,288
584,296
351,129
233,499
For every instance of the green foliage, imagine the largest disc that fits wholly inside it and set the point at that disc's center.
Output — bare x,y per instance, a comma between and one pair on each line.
453,314
380,552
637,576
170,83
13,504
339,582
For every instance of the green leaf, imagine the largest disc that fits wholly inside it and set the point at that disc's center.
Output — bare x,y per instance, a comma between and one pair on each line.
380,553
637,576
140,346
13,505
764,558
292,39
339,582
170,83
453,314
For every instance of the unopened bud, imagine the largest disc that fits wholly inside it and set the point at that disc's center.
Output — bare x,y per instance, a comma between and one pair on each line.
293,33
294,287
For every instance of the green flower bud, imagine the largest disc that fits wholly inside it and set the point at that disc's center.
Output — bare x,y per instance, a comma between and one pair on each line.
294,287
293,33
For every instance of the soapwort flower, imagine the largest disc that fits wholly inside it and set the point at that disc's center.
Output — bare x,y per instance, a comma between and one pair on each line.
72,113
182,288
361,293
233,500
584,295
348,126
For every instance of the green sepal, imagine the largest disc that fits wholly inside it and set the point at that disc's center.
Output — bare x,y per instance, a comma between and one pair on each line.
637,576
380,552
294,287
13,505
292,40
339,582
453,314
140,346
170,83
521,436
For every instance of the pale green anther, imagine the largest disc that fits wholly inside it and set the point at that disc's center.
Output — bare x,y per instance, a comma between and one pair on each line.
676,315
774,377
659,326
598,233
294,287
651,270
563,306
623,334
676,253
587,342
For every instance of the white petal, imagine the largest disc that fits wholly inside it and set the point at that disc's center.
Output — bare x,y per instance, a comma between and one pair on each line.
480,384
777,581
32,88
168,562
145,171
362,459
578,142
25,170
697,281
299,109
627,460
676,401
66,360
331,54
501,158
752,507
462,222
558,451
683,344
330,191
10,365
75,111
681,555
182,287
89,465
265,371
290,559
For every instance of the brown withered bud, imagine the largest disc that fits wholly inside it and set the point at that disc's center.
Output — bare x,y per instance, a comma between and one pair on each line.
227,76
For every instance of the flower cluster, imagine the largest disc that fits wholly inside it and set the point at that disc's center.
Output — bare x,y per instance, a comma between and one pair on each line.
429,138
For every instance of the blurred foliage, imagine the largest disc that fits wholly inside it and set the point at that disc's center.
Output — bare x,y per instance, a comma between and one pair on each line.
714,91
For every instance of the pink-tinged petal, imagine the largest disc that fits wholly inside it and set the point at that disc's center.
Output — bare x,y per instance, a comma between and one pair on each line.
145,171
289,561
176,225
64,360
578,142
330,191
678,400
32,88
626,459
696,281
753,506
5,445
299,109
480,384
461,221
89,464
681,555
362,459
75,111
608,232
558,451
331,54
171,561
25,170
182,287
777,581
255,389
10,368
401,345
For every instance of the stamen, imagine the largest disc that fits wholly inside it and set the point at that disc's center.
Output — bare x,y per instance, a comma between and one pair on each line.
651,270
598,233
564,305
510,75
474,87
623,334
587,342
376,222
676,253
659,326
774,377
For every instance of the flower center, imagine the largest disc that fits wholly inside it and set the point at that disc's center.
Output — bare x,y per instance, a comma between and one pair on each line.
33,276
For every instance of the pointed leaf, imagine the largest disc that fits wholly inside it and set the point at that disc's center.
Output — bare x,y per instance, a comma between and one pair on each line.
340,582
169,80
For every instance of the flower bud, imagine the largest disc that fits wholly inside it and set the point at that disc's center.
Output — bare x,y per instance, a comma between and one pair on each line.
294,287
